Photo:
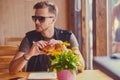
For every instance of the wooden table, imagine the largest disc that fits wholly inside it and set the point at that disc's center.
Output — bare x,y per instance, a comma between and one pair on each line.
85,75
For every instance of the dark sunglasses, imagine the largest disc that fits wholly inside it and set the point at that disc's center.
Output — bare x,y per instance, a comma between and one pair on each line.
40,18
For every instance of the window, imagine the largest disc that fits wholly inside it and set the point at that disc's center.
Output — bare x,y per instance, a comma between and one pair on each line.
113,26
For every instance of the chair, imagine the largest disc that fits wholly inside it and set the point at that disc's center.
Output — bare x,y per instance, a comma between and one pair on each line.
6,55
13,40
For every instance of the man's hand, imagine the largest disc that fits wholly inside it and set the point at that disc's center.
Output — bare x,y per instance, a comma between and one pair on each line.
53,42
36,48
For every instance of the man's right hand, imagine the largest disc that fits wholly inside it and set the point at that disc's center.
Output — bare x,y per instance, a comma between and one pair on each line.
36,48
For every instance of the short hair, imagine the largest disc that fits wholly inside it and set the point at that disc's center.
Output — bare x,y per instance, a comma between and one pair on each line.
46,4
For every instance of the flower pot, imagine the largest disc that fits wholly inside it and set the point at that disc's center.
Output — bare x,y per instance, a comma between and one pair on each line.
66,75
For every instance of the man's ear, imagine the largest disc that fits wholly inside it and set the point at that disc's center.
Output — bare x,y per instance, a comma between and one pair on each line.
53,20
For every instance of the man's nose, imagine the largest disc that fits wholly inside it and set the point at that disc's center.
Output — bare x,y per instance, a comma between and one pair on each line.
37,21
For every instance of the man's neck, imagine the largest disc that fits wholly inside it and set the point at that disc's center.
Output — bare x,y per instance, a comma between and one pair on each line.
48,33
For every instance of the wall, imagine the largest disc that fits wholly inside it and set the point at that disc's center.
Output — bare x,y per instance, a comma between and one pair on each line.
16,15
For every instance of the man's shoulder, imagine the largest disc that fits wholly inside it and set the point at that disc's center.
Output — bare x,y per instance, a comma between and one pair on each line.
63,31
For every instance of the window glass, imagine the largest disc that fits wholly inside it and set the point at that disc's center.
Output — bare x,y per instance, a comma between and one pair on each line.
115,18
113,8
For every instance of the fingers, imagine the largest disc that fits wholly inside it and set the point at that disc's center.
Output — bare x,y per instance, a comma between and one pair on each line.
41,44
39,53
37,46
53,42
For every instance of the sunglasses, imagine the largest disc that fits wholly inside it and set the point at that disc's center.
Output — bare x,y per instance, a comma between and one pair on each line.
40,18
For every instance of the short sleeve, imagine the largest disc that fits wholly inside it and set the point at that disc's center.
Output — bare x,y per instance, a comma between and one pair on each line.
25,45
73,41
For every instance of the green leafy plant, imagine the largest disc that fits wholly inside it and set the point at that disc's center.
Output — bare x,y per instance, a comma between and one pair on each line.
63,58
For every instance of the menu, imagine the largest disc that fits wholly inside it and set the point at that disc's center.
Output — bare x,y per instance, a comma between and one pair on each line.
42,76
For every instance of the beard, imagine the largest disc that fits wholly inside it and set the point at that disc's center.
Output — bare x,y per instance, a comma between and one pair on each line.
42,28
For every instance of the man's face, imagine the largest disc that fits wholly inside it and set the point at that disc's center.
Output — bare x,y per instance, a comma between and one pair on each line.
43,19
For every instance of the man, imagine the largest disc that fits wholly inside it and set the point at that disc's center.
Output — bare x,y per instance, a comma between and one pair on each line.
30,50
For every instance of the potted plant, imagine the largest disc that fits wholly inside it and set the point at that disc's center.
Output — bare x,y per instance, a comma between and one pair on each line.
65,62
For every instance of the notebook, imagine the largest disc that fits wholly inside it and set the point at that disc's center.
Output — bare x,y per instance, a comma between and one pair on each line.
42,76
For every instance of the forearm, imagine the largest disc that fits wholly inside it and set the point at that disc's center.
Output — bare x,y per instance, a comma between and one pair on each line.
21,59
17,65
82,66
81,60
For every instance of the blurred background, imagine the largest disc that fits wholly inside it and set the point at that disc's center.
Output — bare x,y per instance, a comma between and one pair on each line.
94,23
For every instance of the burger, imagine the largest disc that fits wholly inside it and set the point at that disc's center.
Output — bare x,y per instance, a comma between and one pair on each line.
48,48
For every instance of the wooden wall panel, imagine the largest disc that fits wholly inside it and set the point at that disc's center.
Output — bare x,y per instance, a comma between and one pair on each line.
16,15
11,15
99,28
84,30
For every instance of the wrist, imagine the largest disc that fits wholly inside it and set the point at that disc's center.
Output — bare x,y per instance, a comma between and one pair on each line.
25,57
